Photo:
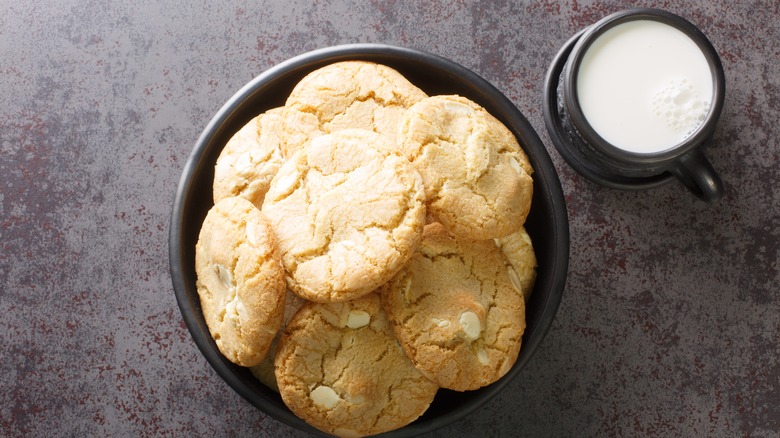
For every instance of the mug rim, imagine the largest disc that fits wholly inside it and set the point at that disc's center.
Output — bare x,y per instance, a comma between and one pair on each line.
589,134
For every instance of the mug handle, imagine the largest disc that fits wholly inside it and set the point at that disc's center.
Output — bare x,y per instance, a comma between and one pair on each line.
694,170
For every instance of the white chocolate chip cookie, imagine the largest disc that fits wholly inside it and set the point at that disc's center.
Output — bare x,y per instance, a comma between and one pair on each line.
264,371
340,368
348,212
519,250
355,94
240,280
455,311
477,177
255,153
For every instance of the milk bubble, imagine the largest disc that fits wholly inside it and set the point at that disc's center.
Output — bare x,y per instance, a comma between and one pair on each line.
680,106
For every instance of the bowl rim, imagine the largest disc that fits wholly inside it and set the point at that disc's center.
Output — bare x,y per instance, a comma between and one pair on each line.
508,114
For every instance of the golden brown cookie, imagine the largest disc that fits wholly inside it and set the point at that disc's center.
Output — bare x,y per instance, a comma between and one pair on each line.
264,371
295,129
255,153
348,212
477,177
355,94
455,310
519,250
340,369
240,280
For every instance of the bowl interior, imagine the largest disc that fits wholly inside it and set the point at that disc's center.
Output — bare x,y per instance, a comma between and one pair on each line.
547,223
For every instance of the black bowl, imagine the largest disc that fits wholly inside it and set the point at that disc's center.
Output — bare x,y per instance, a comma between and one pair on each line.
547,223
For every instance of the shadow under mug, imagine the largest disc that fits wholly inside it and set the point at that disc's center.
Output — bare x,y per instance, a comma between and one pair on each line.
685,160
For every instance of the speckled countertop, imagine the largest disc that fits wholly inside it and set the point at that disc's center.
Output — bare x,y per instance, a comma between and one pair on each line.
670,321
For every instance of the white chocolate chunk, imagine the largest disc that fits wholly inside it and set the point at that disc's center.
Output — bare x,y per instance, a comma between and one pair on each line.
225,277
505,366
443,323
236,311
325,397
244,163
469,322
458,108
251,232
482,357
515,279
515,165
357,319
408,290
285,185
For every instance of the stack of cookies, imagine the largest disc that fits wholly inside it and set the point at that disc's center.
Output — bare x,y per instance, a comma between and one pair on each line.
366,248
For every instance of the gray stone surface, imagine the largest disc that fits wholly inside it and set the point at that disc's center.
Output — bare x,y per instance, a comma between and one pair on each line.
670,322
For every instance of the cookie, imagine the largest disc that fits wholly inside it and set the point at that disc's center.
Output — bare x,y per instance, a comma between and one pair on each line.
240,280
295,129
477,177
340,369
455,310
348,212
519,250
254,154
355,94
264,371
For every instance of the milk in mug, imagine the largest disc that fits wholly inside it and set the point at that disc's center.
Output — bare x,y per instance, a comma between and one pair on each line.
644,86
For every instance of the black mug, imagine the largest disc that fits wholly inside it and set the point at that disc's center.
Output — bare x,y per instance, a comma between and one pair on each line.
682,158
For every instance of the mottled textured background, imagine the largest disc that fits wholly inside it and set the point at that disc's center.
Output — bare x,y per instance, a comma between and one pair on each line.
670,322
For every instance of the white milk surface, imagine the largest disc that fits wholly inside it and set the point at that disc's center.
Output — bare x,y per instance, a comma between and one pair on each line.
644,86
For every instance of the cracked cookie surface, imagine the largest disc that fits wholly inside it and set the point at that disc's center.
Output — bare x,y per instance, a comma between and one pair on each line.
355,94
341,369
254,154
476,175
240,280
455,310
348,212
